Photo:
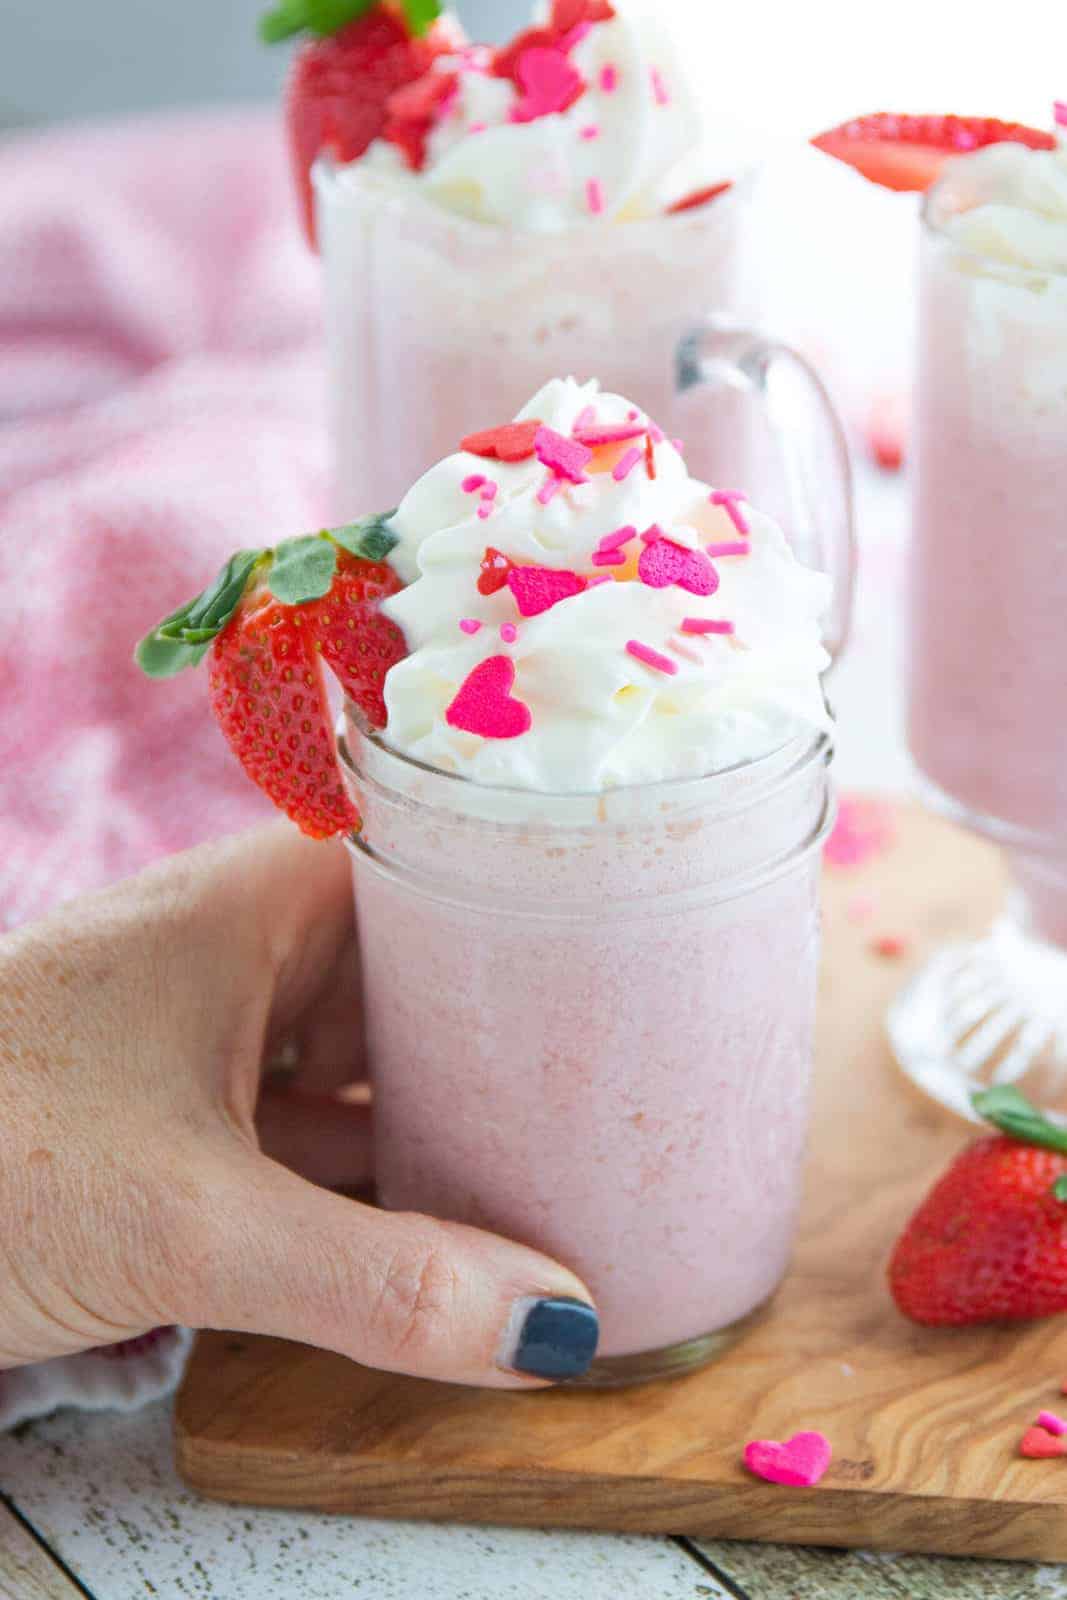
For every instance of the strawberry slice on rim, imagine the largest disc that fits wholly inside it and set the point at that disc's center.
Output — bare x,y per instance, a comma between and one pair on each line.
906,153
271,620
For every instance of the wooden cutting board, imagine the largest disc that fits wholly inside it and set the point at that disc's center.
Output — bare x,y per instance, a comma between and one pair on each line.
924,1423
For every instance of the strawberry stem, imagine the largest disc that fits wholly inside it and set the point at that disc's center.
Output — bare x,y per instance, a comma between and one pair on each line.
1014,1115
321,17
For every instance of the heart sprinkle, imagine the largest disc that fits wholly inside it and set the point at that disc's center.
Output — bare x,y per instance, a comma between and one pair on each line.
538,589
800,1461
567,458
663,563
1038,1444
484,704
513,441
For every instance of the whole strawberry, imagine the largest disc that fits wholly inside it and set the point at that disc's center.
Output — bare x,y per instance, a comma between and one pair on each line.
270,620
989,1242
341,81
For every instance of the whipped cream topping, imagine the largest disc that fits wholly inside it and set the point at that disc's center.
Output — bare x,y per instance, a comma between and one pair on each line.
618,152
1016,205
616,659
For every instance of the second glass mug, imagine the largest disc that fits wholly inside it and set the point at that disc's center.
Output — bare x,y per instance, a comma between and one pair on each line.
590,1017
438,326
988,665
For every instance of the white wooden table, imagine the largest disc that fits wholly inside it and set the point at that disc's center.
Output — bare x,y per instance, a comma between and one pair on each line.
92,1506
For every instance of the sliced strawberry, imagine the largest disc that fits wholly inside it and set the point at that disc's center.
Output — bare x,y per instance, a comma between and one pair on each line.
907,153
269,697
567,15
513,441
270,620
339,89
358,644
699,197
413,111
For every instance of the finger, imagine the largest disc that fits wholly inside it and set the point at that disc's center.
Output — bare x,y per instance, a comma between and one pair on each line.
326,1140
272,1254
329,1041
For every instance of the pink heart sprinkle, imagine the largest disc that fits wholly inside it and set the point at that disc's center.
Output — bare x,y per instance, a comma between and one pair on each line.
538,589
1038,1444
664,563
549,81
800,1461
484,704
565,457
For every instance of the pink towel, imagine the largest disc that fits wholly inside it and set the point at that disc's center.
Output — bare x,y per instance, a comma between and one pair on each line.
160,405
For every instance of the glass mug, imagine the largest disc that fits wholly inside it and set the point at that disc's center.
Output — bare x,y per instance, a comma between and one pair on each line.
437,326
988,657
590,1017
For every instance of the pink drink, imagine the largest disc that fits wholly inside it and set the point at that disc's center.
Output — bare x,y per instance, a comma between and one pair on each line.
438,326
989,588
590,1023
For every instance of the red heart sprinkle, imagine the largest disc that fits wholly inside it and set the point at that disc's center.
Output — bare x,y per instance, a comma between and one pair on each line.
495,569
800,1461
663,563
538,589
484,704
513,441
1037,1444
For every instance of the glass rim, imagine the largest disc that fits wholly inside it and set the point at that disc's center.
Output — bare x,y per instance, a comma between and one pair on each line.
328,175
934,227
804,747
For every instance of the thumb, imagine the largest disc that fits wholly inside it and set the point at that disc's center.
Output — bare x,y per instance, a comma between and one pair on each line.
276,1255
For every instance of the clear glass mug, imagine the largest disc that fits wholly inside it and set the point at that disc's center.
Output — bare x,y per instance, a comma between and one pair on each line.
988,654
437,326
590,1017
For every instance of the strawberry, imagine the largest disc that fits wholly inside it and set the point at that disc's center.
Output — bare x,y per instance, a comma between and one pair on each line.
341,82
989,1242
907,153
270,620
566,16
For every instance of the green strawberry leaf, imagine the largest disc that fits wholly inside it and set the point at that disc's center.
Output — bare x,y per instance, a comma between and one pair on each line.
370,538
181,639
158,657
421,15
1059,1188
320,17
1014,1115
302,570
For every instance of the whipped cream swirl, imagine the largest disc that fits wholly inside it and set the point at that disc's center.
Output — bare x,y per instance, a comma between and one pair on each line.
678,654
624,149
1016,205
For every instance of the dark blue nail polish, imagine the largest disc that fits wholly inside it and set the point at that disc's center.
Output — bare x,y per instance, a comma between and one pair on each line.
557,1339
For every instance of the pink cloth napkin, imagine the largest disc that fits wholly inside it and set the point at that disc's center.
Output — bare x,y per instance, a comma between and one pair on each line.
160,405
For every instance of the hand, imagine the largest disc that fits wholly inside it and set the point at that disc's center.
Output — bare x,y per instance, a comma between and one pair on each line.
146,1172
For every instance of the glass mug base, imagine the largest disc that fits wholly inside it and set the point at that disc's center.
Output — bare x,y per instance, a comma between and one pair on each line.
988,1011
672,1361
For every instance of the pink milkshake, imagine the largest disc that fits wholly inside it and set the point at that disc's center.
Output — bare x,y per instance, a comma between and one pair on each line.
586,876
533,228
989,596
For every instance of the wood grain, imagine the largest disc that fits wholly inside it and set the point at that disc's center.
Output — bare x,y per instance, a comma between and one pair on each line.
26,1571
924,1423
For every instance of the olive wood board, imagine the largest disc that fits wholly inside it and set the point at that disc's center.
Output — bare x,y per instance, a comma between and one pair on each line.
924,1423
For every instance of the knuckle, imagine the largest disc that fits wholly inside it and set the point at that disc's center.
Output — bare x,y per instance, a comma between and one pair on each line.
416,1298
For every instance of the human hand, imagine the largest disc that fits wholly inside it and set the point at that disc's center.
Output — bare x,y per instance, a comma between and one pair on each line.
147,1166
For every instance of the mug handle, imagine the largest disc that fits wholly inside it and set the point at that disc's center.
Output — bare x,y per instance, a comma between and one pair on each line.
720,353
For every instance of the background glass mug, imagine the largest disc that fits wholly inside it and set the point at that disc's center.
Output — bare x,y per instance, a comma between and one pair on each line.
437,326
988,655
590,1018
